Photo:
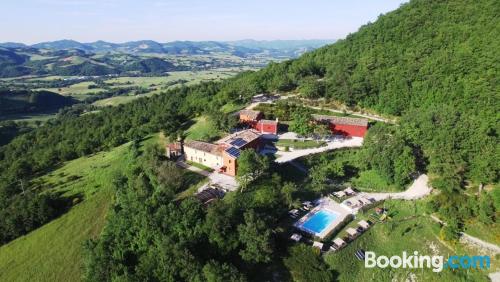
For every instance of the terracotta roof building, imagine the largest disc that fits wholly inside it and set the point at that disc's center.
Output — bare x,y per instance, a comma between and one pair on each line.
234,144
346,126
250,116
204,153
173,150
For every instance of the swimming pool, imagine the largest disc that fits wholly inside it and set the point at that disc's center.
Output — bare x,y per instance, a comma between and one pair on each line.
319,221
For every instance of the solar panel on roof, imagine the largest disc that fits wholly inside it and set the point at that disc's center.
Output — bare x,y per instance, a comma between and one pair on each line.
234,152
238,142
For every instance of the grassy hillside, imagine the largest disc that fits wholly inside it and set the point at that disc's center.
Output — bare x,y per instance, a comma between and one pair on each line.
202,129
54,251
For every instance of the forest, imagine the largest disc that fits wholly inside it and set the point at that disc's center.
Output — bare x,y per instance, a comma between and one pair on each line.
152,237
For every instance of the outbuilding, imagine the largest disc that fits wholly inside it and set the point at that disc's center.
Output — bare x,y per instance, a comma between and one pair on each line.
346,126
265,126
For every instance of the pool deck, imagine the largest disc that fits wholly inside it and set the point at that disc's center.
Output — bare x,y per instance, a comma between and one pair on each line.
325,204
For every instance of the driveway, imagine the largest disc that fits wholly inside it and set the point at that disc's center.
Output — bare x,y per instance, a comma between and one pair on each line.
225,181
331,145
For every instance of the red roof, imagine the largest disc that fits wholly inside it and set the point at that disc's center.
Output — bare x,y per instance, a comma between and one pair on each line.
342,120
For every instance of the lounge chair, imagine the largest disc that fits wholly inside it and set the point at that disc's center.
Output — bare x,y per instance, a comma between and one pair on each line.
360,254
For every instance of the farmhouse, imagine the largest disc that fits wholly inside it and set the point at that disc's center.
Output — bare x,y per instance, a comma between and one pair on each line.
222,155
204,153
347,126
232,146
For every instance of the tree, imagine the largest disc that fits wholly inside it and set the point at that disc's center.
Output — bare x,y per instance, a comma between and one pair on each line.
404,166
287,191
319,176
307,265
220,226
215,271
311,87
322,130
451,231
302,122
256,239
486,209
251,166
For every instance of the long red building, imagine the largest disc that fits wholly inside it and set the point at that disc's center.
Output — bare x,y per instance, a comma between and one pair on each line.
346,126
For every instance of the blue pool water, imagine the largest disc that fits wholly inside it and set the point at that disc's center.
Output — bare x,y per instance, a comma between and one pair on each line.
319,221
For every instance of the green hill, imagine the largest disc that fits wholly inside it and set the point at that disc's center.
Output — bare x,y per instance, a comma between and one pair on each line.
24,101
54,251
433,63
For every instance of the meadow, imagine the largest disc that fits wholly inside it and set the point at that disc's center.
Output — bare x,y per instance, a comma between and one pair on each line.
202,129
53,252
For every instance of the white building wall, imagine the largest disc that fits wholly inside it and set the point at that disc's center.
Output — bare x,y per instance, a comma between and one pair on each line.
204,158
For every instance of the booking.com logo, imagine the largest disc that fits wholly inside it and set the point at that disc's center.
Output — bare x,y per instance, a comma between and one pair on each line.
437,263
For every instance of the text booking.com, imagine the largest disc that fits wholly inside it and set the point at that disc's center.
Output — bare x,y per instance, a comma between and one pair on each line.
416,261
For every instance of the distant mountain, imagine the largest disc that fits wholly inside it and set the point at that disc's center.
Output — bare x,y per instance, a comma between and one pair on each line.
281,44
12,45
103,46
62,45
238,48
69,57
11,63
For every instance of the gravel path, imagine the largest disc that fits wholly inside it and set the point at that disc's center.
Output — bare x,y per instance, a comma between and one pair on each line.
418,189
273,98
478,242
468,239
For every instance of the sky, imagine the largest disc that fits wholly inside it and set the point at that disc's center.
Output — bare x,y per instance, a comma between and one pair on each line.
33,21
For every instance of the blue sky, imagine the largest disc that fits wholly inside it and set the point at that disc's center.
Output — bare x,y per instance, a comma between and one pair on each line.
32,21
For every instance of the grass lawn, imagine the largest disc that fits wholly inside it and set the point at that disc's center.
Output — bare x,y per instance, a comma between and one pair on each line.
299,144
194,187
203,130
230,107
408,231
200,166
53,252
371,180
